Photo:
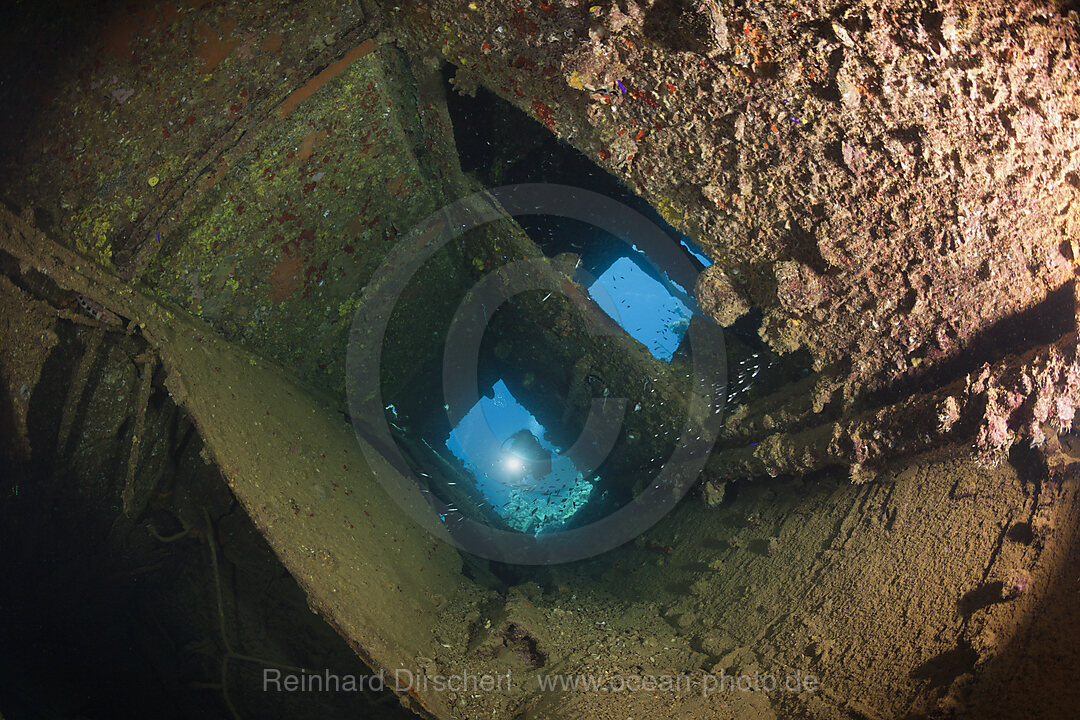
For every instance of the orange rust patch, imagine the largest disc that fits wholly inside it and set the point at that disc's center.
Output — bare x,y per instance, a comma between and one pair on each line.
396,183
168,12
308,144
215,47
118,32
759,47
284,278
334,69
123,25
272,43
218,174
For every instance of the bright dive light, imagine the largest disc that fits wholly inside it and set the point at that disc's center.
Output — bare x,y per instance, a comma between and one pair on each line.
513,463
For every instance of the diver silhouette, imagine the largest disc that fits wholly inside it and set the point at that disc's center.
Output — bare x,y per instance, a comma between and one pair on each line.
536,461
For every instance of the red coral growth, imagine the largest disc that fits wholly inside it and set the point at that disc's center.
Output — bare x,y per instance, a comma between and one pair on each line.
545,113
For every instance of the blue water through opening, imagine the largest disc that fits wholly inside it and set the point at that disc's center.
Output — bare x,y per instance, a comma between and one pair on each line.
529,484
643,306
500,462
695,250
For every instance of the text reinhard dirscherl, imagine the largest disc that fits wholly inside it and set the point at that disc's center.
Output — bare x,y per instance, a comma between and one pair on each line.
403,680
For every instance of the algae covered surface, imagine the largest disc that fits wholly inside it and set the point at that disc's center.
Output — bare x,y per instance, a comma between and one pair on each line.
917,593
885,181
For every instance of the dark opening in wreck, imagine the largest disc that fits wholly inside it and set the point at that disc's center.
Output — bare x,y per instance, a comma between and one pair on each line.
200,198
610,273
